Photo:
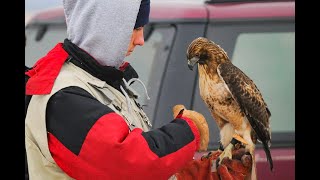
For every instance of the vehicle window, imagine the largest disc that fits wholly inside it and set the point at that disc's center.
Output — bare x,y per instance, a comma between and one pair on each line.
38,45
268,58
150,71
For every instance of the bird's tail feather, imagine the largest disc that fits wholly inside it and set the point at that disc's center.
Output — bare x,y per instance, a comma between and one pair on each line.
268,154
264,138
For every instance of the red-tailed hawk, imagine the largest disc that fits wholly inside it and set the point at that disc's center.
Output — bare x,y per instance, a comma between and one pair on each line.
233,99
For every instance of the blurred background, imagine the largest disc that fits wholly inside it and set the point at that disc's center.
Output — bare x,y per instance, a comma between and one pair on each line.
32,6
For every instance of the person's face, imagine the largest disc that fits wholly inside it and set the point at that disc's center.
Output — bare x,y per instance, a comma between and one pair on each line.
136,39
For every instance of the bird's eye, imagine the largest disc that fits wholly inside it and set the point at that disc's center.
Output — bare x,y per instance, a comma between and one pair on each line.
197,54
204,56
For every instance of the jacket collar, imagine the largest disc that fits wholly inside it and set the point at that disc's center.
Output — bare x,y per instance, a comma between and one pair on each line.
45,71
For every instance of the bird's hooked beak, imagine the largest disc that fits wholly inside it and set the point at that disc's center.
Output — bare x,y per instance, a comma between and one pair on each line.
192,62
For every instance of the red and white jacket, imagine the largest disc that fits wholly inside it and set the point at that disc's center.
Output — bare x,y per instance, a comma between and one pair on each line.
78,124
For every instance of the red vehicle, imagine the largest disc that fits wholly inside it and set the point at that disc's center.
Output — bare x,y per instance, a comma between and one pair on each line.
258,36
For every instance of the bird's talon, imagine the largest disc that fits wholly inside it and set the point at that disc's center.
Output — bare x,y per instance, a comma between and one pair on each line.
217,162
237,146
223,155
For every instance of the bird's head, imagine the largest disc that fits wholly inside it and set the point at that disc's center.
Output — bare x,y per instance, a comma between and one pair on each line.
203,51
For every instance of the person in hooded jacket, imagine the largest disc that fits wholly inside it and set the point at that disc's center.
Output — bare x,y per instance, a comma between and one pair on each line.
82,118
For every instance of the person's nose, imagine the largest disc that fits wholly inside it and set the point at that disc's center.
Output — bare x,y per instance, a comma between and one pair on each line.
139,40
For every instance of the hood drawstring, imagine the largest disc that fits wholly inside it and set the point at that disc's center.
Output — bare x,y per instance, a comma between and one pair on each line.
145,89
127,86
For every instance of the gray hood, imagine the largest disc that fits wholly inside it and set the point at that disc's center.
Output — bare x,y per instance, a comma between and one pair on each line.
102,28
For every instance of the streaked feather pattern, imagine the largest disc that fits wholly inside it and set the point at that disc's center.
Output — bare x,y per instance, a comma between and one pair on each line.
231,96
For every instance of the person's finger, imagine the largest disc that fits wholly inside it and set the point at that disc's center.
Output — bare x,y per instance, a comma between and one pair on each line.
224,173
235,165
214,176
237,175
247,160
238,153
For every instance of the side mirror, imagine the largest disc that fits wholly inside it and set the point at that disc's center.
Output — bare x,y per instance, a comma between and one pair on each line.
147,31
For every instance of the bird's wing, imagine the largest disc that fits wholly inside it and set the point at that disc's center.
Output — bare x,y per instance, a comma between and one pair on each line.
249,98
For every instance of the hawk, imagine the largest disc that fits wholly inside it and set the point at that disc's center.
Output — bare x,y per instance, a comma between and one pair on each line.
233,99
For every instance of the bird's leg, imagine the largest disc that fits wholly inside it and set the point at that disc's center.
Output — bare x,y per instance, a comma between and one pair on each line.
249,145
239,138
227,152
249,148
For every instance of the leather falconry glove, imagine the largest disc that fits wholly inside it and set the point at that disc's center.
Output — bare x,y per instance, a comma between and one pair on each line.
198,119
206,168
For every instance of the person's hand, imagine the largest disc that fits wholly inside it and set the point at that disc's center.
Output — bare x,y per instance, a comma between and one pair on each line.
198,119
206,167
237,168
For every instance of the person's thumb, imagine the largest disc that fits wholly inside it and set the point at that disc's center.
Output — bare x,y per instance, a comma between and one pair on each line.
199,120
